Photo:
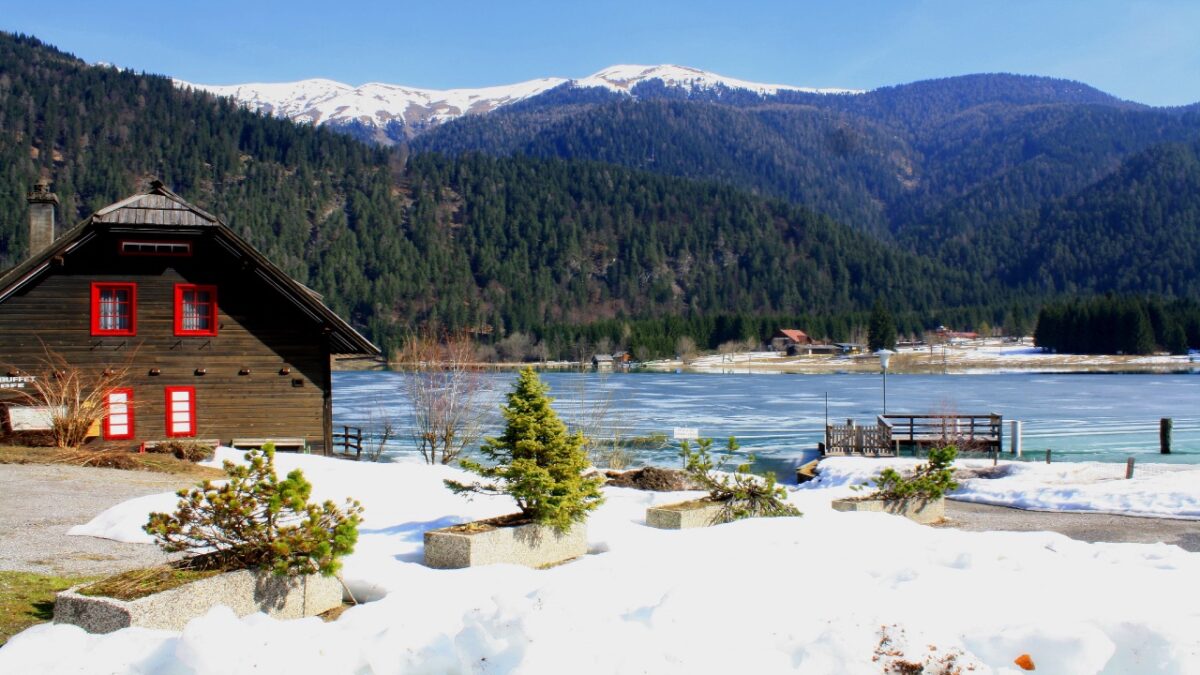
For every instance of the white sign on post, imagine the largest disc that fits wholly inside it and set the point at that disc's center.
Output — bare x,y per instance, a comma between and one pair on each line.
686,433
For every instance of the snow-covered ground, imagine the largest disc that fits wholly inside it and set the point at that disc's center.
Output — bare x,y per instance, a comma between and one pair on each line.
825,593
1156,490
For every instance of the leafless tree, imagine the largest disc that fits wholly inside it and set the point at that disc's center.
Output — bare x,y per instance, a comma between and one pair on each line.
76,400
444,387
595,419
381,426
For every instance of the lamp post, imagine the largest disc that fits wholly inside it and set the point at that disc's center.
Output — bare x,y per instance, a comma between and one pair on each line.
884,355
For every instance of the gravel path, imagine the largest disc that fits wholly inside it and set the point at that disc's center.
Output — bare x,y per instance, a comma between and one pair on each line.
1082,526
39,503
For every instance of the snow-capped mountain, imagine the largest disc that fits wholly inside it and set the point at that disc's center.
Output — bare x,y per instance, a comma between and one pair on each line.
624,78
386,112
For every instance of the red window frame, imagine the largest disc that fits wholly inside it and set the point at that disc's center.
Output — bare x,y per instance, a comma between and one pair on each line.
180,330
191,412
108,432
98,288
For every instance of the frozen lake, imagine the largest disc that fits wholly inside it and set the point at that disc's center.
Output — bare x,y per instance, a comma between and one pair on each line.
781,418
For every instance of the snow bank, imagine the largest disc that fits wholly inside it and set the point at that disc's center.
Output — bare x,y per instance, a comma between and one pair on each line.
816,594
1157,490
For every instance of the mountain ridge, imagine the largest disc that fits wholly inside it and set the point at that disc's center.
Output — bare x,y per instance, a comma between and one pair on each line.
392,112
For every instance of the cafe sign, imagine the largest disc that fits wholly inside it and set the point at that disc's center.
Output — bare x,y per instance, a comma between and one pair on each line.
17,381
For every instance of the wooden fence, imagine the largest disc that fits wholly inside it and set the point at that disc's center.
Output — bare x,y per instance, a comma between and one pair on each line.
891,432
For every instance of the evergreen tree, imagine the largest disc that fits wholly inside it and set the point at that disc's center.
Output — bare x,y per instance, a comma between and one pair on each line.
881,332
535,460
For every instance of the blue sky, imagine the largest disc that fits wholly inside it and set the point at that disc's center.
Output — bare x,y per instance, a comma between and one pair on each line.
1145,51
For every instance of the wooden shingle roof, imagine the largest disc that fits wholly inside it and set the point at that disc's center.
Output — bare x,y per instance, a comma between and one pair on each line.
160,210
159,206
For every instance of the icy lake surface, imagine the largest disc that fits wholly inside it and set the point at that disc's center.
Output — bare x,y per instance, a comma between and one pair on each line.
781,418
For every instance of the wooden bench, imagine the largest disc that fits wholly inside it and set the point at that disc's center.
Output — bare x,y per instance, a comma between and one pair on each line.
285,444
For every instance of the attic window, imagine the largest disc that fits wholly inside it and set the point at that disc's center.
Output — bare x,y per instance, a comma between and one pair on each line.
167,248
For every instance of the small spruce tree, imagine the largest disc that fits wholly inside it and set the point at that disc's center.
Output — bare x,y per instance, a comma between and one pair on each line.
535,460
256,520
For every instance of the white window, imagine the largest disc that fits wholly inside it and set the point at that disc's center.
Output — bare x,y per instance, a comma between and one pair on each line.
181,411
118,420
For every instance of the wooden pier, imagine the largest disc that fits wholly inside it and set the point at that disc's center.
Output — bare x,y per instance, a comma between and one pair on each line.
893,433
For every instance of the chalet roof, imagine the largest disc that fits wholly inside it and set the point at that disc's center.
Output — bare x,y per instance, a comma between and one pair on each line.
161,211
159,206
794,335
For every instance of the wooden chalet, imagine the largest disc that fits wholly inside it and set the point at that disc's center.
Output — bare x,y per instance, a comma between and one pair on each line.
787,338
217,343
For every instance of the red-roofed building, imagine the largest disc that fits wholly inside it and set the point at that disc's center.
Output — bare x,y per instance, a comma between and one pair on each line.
786,338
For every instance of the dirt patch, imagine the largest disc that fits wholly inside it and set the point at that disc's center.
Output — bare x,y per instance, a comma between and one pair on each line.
139,583
107,458
510,520
653,479
689,505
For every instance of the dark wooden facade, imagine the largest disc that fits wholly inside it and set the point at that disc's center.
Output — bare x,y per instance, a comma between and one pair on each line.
264,374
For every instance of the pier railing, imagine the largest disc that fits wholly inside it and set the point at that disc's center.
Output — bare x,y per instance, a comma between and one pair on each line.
969,433
982,433
852,439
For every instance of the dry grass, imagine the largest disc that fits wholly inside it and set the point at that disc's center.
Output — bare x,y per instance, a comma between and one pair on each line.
27,599
116,459
139,583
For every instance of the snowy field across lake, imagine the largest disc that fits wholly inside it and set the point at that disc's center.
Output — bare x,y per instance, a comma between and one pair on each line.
781,418
827,592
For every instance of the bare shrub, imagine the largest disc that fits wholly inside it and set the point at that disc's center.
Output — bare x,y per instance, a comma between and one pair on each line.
444,387
685,347
189,451
381,428
76,399
106,459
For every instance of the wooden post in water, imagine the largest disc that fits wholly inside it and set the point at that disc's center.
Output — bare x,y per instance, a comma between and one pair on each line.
1016,437
1164,435
1129,468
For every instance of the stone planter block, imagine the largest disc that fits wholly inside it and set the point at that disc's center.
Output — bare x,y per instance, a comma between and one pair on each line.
920,510
684,515
531,545
243,591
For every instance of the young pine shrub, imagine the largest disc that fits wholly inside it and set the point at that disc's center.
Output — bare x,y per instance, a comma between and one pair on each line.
931,480
256,520
535,461
742,493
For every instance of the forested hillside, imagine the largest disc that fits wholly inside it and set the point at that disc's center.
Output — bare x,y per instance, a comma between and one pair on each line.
932,164
496,245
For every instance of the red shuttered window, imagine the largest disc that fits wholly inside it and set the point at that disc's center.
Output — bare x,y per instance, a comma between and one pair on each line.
114,309
195,310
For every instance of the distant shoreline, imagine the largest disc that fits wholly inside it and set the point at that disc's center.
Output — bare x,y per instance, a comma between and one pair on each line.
981,357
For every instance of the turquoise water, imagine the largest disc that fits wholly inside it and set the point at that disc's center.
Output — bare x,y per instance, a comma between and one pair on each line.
781,418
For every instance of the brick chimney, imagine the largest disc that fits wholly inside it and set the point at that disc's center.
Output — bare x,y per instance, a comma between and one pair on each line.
41,217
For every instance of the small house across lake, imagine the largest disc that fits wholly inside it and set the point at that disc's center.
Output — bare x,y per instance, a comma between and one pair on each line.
215,341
